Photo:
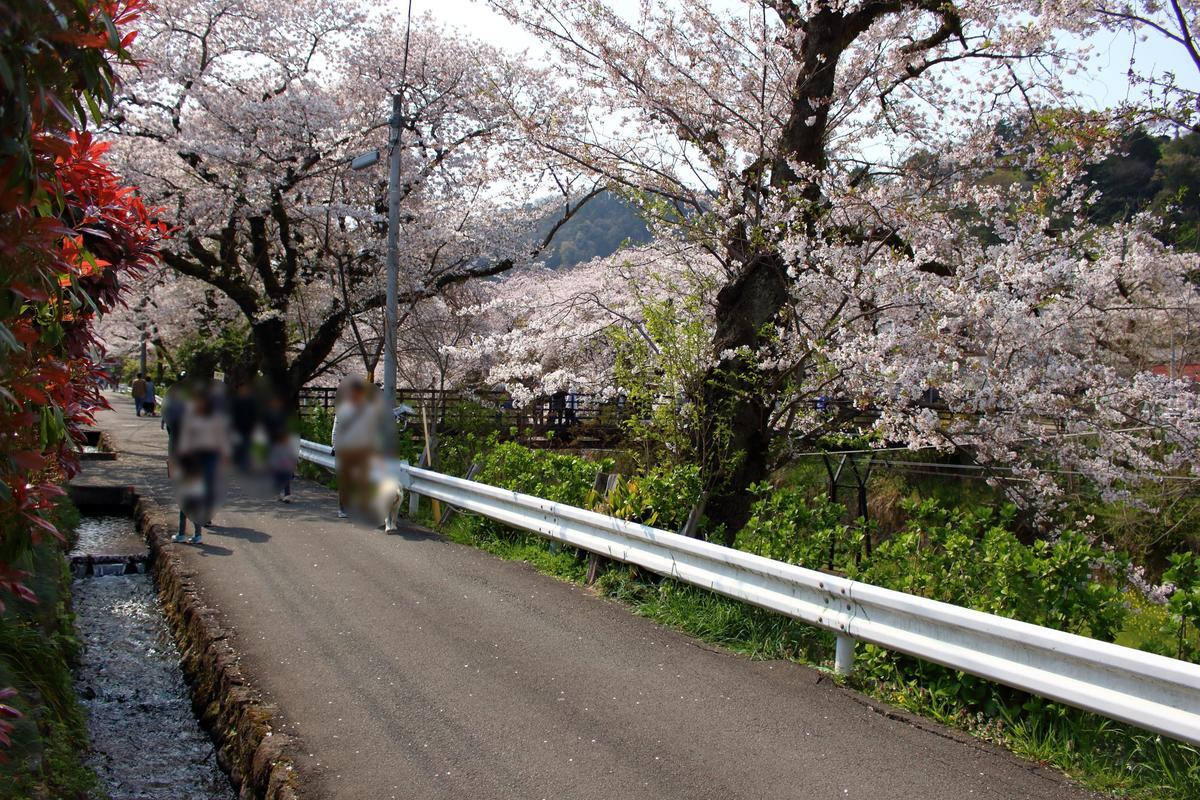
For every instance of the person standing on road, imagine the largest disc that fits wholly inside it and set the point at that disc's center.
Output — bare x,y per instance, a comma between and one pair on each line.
357,425
203,445
138,390
244,411
282,458
174,404
149,399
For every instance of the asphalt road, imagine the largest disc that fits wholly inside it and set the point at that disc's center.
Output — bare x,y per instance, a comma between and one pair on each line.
412,667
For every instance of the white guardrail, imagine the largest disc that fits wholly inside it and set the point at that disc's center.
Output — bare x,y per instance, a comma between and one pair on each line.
1151,691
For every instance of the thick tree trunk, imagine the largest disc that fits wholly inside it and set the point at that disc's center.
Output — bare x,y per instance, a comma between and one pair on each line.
271,347
736,391
736,454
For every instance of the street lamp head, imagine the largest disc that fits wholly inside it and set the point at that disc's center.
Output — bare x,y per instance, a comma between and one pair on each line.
368,159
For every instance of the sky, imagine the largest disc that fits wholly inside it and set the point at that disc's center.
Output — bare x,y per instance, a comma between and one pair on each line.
1105,84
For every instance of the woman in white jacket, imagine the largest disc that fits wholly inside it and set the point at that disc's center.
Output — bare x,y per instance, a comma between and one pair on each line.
357,428
204,442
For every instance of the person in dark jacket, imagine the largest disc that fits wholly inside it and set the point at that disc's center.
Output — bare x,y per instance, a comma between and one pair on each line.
244,411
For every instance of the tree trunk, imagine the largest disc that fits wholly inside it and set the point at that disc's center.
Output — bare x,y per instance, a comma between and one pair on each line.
271,347
737,456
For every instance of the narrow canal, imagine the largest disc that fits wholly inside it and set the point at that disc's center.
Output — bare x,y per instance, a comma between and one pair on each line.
146,743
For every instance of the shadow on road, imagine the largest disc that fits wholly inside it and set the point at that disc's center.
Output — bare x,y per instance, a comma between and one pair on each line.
245,534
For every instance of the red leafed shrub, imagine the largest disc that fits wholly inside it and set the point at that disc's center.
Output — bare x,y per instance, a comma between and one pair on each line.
70,235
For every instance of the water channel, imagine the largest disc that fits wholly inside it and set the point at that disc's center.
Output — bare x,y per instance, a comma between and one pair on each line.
146,742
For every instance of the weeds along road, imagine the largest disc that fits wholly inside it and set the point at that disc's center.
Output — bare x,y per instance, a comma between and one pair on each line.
412,667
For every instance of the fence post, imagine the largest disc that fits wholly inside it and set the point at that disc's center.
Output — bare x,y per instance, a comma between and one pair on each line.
605,483
414,499
843,659
693,518
449,512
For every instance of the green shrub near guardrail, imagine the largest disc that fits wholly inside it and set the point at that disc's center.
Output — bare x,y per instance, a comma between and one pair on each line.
967,556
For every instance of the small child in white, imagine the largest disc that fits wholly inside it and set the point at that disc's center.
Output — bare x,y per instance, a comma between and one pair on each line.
282,458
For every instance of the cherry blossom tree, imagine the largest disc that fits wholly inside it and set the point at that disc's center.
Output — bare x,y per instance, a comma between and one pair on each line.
838,162
241,123
1169,96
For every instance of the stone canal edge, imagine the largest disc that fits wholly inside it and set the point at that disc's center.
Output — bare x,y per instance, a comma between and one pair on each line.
256,756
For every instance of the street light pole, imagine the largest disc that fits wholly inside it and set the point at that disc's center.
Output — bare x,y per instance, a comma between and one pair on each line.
393,266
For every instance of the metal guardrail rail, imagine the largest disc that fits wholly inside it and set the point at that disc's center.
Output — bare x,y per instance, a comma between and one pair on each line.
1151,691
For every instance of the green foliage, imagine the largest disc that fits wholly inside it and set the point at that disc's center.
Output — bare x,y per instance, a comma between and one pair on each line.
543,473
602,227
1152,173
231,352
37,648
316,425
1184,604
1108,756
970,557
663,367
787,526
663,497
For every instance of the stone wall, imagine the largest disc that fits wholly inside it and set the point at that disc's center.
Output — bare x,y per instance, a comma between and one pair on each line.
255,756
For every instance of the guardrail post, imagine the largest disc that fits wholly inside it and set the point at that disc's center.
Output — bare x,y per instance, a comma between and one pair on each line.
843,657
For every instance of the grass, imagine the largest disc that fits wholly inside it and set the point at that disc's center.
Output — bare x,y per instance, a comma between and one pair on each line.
37,648
1097,753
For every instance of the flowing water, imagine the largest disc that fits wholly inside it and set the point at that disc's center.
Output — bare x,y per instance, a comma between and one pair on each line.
146,743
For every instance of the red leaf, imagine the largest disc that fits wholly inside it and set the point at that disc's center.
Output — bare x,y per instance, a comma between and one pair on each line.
29,460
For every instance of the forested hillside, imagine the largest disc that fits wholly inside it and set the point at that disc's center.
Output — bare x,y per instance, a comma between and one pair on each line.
598,230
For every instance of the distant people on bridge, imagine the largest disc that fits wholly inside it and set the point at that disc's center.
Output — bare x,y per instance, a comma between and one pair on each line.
138,390
203,444
149,397
357,434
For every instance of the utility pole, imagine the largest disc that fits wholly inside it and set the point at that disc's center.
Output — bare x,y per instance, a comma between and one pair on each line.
395,125
390,313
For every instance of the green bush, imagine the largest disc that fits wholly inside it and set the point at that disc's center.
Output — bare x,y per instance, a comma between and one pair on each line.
543,473
971,558
1184,604
662,498
788,526
37,649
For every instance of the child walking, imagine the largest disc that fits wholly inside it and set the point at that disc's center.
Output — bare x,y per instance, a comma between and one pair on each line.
282,459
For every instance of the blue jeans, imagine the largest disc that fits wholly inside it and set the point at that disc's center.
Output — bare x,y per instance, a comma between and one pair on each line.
137,405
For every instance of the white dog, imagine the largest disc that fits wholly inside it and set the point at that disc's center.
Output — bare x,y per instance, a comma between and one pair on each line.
388,496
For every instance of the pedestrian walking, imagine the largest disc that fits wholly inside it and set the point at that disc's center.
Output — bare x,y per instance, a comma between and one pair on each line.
357,427
203,445
282,458
174,405
149,399
245,414
138,390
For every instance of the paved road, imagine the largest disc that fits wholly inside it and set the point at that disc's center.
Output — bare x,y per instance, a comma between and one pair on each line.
412,667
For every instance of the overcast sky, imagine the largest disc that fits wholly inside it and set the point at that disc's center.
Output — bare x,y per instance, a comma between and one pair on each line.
1106,82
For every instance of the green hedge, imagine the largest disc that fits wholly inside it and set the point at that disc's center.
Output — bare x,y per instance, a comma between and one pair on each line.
37,650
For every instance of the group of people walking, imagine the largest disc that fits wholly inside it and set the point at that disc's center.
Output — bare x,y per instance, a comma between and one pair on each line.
144,399
208,427
207,430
